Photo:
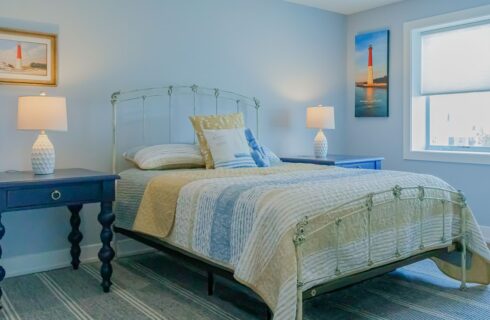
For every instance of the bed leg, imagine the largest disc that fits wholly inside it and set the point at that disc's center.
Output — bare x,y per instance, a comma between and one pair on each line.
299,311
463,286
210,283
268,314
298,239
299,287
463,242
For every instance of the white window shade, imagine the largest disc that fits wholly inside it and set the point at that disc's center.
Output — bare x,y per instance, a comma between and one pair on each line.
456,60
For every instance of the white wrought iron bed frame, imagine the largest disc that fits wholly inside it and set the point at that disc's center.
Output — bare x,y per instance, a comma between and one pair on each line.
365,207
170,91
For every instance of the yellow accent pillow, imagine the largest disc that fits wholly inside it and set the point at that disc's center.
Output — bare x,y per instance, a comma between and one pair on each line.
200,123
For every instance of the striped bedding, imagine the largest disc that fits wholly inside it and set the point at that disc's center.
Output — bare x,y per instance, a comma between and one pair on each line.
166,156
247,222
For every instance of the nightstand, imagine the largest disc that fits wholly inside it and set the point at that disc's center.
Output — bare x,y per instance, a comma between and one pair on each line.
22,190
357,162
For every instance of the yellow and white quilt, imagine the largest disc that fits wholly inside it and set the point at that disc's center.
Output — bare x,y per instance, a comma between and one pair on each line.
244,219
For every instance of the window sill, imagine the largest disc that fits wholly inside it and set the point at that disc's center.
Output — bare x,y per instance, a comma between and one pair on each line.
448,156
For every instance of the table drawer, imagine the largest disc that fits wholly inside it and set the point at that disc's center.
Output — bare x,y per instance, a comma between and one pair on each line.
360,165
53,195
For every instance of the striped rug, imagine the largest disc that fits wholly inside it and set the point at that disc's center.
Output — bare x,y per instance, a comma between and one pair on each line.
155,286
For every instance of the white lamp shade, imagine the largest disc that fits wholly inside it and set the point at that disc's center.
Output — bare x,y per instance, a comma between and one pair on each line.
320,117
42,113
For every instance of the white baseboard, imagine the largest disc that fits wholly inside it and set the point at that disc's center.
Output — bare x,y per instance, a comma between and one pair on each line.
130,247
39,262
44,261
486,233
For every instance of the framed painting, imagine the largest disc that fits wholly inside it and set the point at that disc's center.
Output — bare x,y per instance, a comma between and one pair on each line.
372,74
27,58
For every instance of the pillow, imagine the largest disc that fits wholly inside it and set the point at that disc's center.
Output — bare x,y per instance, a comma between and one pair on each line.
262,155
258,153
229,148
273,158
166,156
229,121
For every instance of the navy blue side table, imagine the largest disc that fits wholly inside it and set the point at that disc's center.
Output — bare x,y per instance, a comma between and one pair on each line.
71,188
358,162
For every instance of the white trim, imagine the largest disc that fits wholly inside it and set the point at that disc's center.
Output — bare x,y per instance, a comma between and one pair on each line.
447,156
39,262
44,261
130,247
410,29
486,233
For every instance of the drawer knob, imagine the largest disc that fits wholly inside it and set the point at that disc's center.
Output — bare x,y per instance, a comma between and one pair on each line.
56,195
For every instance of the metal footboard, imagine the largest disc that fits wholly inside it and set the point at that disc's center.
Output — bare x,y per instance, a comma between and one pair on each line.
363,209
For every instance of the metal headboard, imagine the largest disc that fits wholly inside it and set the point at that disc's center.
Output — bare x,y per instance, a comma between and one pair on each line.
170,92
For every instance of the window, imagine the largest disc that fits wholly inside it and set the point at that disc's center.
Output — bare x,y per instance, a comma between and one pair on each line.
447,87
459,122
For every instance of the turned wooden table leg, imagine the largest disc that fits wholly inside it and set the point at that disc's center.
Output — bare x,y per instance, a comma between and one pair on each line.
106,253
75,236
2,270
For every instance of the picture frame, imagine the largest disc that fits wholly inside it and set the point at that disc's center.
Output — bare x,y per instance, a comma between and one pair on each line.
372,51
28,58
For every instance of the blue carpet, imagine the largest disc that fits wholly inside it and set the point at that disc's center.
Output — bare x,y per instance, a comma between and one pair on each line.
155,286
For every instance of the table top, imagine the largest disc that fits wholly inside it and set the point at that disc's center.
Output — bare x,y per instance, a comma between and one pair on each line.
20,178
333,159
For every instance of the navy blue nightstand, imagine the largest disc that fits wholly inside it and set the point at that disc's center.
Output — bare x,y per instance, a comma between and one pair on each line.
71,188
358,162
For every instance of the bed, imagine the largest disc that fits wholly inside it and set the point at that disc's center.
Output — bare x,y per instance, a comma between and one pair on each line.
289,232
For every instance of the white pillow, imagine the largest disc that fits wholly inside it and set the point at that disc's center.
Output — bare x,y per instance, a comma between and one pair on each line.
166,156
229,148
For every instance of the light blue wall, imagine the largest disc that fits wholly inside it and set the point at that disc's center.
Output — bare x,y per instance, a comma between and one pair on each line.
385,136
289,56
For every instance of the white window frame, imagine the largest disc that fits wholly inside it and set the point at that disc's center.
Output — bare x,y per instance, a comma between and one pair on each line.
414,142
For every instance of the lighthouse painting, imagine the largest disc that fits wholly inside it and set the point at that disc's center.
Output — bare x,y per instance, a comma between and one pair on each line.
27,58
371,62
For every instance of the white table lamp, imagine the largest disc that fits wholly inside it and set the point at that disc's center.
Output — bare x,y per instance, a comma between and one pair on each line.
320,118
42,113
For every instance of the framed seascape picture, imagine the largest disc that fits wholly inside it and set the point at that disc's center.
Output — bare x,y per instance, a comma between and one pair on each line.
372,74
27,58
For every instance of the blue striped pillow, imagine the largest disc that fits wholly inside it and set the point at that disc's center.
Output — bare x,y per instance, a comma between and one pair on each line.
263,156
242,161
229,148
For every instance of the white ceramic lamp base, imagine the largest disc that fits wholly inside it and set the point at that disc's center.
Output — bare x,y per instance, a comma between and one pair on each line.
43,156
321,145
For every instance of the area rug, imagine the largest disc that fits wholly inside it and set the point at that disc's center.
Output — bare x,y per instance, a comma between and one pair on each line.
155,286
